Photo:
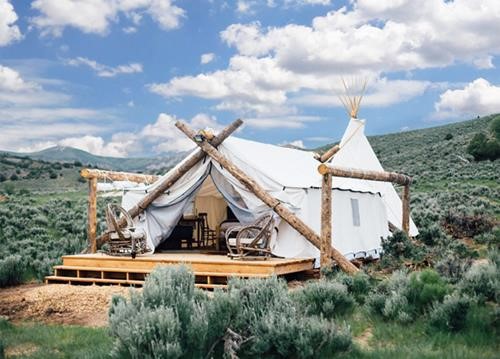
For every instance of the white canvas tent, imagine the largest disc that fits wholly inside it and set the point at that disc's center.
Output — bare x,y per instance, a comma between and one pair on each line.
361,209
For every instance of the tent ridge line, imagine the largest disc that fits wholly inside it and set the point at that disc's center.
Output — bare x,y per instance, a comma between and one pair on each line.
265,197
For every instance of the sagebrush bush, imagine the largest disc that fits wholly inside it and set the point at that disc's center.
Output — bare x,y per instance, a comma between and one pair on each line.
12,270
166,320
402,297
254,318
451,314
324,297
452,267
358,285
424,288
278,335
482,281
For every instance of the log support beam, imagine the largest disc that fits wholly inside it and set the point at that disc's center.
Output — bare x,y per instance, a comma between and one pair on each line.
265,197
326,221
90,173
381,176
328,154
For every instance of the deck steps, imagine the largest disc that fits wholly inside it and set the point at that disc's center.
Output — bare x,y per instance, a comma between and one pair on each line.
211,271
133,277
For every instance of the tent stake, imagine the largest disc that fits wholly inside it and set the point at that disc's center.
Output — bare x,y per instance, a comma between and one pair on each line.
287,215
167,182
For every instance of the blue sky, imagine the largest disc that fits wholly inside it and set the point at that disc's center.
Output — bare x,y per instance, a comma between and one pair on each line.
112,76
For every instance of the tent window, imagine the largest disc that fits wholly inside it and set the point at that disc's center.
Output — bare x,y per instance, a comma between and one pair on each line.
355,212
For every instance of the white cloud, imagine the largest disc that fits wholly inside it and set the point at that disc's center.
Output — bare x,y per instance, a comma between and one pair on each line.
161,135
295,143
104,70
96,16
10,80
477,98
288,122
97,145
129,29
9,32
308,2
277,68
30,114
207,58
485,62
131,104
244,6
165,137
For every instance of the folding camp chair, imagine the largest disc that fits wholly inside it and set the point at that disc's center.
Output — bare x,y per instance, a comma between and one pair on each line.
252,241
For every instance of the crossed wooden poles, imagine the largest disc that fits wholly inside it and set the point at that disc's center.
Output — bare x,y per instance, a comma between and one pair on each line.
209,147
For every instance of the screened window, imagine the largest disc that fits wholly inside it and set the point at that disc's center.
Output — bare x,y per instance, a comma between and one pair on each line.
355,212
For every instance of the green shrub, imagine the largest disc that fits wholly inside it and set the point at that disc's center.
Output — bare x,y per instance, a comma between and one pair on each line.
452,267
358,285
168,314
482,282
397,247
325,298
424,288
309,337
389,299
12,270
451,314
254,318
266,314
483,148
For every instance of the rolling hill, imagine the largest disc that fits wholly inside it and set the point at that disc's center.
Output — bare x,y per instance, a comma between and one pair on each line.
131,164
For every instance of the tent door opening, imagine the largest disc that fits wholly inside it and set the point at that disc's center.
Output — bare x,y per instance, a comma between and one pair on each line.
203,223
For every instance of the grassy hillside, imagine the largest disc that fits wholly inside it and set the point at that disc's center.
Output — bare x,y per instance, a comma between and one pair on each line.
69,154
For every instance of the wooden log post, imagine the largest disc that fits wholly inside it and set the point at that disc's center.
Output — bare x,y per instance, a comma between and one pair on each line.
173,177
406,210
269,200
92,215
326,221
118,176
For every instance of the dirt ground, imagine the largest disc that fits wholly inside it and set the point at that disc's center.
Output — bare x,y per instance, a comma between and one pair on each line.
59,303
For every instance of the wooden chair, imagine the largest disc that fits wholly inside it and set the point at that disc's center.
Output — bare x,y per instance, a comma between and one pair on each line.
208,236
127,241
251,241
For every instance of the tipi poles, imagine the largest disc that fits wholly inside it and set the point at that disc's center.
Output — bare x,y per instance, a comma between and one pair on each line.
265,197
168,181
381,176
326,221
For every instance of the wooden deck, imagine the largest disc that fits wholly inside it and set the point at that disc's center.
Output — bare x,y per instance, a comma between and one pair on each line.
211,270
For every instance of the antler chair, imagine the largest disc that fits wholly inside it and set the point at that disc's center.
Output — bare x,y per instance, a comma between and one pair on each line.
252,241
124,241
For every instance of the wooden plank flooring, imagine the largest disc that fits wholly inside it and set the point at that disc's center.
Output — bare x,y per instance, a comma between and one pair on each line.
211,270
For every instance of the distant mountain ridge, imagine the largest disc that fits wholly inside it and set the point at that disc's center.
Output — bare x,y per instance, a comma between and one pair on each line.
133,164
